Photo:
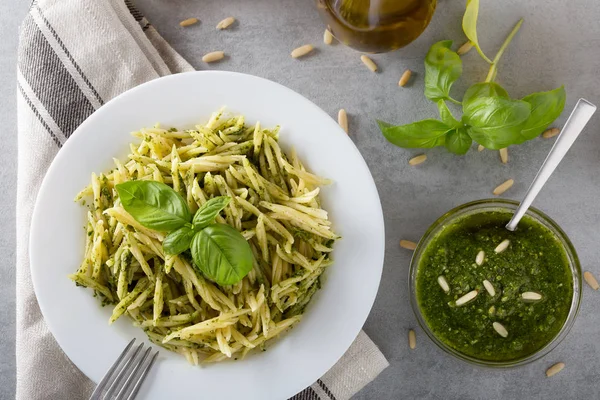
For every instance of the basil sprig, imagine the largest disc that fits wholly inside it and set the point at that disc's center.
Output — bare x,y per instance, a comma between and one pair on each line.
219,251
489,116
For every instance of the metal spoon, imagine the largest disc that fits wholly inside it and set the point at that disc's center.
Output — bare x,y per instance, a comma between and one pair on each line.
580,116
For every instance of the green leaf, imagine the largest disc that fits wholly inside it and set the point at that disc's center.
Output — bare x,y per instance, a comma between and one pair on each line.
442,68
178,241
154,205
484,89
469,25
421,134
446,115
545,108
208,212
495,122
458,141
495,112
222,254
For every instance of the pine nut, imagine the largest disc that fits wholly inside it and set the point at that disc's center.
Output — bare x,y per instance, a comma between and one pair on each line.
420,159
327,37
591,280
226,23
369,63
302,51
188,22
555,369
503,187
407,244
343,120
467,298
480,148
504,155
532,296
443,284
412,339
502,246
498,327
550,133
480,257
213,56
404,78
465,48
490,289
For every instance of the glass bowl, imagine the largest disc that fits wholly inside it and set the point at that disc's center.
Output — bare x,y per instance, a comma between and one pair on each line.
497,205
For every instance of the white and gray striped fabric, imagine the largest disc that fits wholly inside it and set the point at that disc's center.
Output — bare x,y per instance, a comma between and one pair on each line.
74,56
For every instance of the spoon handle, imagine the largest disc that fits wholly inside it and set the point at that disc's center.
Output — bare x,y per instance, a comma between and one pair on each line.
580,116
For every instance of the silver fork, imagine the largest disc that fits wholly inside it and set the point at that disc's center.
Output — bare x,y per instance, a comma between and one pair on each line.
128,367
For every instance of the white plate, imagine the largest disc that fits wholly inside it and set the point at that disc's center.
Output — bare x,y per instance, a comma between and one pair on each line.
336,313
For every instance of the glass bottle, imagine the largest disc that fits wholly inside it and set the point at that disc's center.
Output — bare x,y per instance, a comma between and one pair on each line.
376,26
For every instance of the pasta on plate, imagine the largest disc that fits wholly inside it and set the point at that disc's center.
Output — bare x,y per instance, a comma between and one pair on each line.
274,204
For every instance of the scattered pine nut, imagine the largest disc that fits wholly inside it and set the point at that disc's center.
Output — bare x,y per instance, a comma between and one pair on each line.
327,37
550,133
502,246
443,284
489,287
465,48
480,148
591,280
555,369
480,257
407,244
498,327
503,187
412,339
420,159
467,298
504,155
532,296
343,120
369,63
226,23
213,56
188,22
405,78
302,51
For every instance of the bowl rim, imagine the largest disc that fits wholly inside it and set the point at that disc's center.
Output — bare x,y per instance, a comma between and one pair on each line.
487,205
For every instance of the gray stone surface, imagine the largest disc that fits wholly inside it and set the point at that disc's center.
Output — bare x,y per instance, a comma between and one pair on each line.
11,14
558,44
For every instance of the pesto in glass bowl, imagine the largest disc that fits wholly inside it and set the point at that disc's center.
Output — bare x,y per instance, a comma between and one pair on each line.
531,292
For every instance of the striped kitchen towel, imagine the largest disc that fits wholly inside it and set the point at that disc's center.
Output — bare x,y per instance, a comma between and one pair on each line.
75,55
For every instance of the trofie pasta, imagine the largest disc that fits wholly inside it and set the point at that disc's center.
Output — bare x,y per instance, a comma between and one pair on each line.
274,204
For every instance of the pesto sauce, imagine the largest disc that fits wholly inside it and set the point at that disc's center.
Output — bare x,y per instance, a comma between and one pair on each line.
535,261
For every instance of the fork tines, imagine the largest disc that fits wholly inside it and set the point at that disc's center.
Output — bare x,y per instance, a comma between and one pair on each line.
124,378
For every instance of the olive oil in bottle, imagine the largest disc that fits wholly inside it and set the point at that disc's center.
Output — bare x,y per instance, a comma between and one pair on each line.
376,26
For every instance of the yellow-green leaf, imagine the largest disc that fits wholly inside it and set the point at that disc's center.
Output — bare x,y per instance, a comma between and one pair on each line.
469,25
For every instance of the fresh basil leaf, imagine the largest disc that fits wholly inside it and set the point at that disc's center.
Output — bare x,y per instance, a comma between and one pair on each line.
442,68
446,115
208,212
421,134
494,112
484,89
458,141
154,205
545,108
178,241
469,25
222,254
495,122
496,138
